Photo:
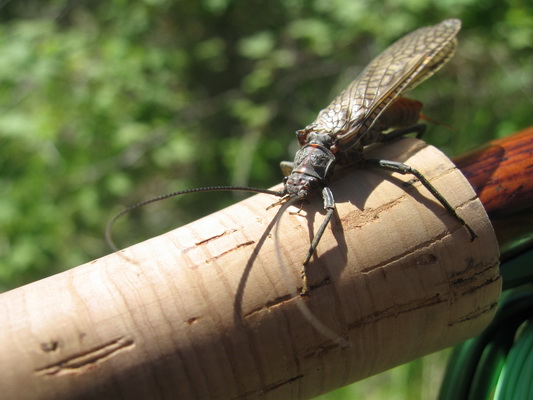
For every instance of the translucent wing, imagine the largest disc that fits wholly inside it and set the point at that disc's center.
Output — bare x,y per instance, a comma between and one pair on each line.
402,66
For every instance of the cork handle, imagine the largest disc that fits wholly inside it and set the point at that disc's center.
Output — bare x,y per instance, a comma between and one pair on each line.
205,311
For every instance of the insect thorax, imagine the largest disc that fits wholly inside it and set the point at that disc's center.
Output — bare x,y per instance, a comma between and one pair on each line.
315,160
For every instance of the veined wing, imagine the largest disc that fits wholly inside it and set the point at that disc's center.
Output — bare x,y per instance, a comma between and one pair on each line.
401,67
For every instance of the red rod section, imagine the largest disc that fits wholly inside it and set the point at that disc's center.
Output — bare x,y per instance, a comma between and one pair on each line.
501,173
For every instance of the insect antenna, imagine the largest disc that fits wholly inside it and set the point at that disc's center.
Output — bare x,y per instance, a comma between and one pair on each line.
111,223
304,309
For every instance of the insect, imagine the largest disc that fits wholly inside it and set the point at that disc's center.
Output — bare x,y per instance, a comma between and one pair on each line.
356,118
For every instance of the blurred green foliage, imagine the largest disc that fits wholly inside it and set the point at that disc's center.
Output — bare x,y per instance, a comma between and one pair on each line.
106,103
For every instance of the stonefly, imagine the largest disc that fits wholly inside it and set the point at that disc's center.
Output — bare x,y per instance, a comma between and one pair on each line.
358,117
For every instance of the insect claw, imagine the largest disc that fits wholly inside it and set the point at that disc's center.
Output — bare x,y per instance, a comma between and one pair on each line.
305,284
473,234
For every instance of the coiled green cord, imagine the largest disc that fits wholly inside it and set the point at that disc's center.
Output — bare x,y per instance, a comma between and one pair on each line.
516,379
498,364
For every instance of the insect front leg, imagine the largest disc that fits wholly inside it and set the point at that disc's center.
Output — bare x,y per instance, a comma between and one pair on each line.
286,167
406,169
329,206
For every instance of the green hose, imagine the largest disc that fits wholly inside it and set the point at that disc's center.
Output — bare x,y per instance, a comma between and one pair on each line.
498,363
516,379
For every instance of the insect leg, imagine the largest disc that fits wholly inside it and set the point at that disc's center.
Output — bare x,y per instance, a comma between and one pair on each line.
419,129
329,206
406,169
286,167
307,313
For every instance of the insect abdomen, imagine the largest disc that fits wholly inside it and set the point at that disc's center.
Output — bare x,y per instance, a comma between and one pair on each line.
403,112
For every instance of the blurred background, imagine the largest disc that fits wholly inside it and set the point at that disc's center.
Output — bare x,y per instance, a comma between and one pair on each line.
106,103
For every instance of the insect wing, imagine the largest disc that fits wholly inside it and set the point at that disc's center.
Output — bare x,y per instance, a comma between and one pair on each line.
401,67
